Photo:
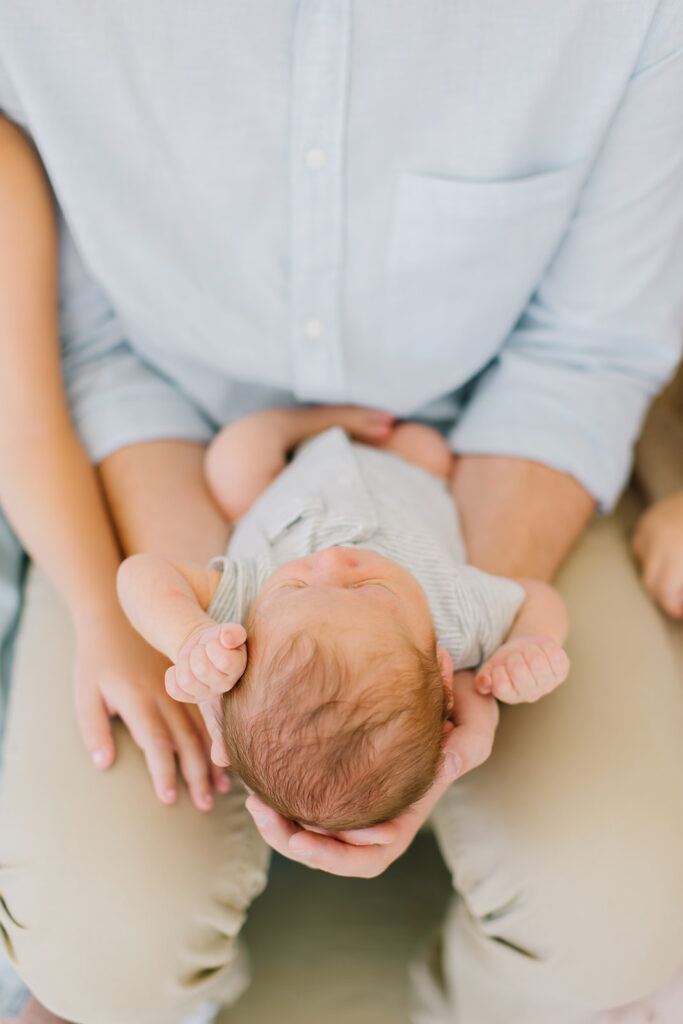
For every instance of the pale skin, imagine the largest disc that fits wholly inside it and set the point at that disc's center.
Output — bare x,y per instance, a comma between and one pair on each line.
658,547
158,500
67,529
360,589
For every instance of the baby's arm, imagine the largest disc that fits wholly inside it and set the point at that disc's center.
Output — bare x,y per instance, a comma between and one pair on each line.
165,602
532,661
247,455
658,546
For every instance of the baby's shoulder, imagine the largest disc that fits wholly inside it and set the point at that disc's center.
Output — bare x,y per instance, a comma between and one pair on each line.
239,583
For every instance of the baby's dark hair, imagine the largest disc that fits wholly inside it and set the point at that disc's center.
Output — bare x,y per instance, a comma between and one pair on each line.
327,750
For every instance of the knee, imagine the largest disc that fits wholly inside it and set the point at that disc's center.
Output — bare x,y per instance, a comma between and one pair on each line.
113,965
618,949
605,933
584,906
133,935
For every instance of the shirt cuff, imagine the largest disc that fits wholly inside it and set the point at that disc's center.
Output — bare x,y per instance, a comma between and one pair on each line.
578,422
121,419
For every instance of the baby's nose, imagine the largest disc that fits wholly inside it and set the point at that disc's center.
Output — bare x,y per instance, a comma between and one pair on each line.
333,565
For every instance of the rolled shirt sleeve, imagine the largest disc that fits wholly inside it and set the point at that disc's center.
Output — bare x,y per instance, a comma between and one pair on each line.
602,333
237,589
116,397
485,607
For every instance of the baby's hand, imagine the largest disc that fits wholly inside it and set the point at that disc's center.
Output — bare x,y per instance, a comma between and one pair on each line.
209,663
658,546
523,670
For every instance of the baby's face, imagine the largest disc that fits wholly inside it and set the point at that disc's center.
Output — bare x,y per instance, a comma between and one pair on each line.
353,590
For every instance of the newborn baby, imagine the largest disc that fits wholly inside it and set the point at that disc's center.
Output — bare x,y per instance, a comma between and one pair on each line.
347,605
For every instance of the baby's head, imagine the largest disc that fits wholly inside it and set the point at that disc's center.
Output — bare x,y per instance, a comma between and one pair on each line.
338,719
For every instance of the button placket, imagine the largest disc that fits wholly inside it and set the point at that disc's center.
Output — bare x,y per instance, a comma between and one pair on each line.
317,157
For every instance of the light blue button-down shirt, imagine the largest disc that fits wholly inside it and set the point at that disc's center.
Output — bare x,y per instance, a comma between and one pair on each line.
467,210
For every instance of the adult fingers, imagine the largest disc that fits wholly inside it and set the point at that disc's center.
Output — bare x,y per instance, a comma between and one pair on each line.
669,589
312,848
376,835
192,755
653,568
211,712
476,718
149,731
95,726
640,541
219,775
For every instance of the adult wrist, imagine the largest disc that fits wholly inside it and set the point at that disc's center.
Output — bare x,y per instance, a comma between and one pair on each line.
96,612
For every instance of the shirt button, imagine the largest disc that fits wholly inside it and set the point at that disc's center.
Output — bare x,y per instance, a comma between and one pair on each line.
313,329
315,158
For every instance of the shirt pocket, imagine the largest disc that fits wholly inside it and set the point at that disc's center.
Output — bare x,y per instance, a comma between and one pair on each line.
464,258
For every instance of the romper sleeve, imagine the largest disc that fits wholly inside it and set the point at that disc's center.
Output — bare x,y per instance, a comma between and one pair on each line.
239,584
486,606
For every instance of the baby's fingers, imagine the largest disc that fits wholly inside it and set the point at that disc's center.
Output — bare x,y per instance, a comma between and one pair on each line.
175,690
558,658
211,663
509,680
226,655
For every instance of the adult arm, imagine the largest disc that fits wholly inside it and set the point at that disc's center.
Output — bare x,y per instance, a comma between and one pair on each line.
47,487
52,498
160,503
548,430
518,517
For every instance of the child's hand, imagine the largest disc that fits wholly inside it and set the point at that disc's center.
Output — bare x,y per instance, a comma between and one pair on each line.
658,546
523,670
209,663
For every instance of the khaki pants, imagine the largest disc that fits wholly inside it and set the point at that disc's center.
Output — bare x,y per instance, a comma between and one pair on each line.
566,847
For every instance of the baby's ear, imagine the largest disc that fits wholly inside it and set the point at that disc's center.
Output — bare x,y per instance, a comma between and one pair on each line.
446,666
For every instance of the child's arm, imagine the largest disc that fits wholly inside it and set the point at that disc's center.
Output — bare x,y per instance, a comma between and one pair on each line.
658,546
247,455
532,661
50,494
165,602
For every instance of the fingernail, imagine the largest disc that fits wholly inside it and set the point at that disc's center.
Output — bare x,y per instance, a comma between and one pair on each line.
207,800
99,758
260,817
232,637
169,795
453,766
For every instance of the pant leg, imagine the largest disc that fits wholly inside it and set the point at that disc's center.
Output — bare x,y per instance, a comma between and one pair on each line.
566,847
113,907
